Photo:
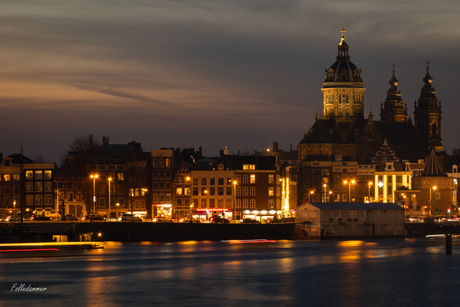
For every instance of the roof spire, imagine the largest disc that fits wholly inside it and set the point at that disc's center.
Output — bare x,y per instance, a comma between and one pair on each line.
343,36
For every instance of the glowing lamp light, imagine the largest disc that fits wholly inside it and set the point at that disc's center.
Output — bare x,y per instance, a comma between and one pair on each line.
380,184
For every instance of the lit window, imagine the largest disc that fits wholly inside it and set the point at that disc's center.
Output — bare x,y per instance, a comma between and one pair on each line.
6,177
249,166
120,176
39,175
29,175
271,191
38,187
178,191
271,179
271,203
253,179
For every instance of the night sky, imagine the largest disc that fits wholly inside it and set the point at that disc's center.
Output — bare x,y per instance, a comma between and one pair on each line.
208,73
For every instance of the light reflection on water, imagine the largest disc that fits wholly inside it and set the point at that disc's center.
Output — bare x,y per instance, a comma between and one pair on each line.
288,273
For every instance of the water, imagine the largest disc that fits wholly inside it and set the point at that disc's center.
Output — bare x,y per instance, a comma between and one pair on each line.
399,272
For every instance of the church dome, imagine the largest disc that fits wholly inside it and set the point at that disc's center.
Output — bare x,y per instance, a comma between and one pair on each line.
343,70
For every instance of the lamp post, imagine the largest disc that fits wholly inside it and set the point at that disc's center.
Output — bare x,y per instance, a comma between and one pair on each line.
191,215
311,194
369,186
116,216
431,188
330,194
14,208
323,198
109,179
349,182
94,176
234,198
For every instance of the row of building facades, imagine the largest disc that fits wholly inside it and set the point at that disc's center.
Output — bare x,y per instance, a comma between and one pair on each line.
173,183
343,157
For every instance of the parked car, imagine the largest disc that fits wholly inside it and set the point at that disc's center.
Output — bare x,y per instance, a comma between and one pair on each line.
95,217
71,217
218,220
250,221
162,220
13,218
130,218
187,220
35,217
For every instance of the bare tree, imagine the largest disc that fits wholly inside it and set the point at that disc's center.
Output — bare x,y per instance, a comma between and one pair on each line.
39,159
85,143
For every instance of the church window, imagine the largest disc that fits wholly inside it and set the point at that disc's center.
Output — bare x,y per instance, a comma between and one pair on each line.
434,130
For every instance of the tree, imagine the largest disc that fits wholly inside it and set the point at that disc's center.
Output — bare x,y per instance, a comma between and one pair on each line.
83,143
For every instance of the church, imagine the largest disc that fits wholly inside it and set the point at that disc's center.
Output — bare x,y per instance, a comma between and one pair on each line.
343,129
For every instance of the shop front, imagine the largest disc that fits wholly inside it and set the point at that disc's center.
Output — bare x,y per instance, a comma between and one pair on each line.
263,216
204,214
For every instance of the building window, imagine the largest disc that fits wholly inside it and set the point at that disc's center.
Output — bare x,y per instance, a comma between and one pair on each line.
121,201
29,187
16,189
167,162
136,205
220,191
38,200
178,191
70,196
325,172
252,178
195,181
238,203
203,181
155,197
220,181
271,203
245,191
238,178
101,202
6,177
229,191
162,186
245,203
245,178
220,203
101,189
271,191
238,191
271,179
167,197
69,185
38,186
7,189
228,202
249,167
120,176
253,191
212,181
48,199
438,195
29,175
29,200
203,203
39,175
252,204
212,191
212,203
187,191
16,177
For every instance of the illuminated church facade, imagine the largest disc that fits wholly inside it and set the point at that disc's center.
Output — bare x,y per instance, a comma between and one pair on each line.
344,130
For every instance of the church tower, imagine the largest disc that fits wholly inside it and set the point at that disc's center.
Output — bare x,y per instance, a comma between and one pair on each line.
393,109
343,91
427,116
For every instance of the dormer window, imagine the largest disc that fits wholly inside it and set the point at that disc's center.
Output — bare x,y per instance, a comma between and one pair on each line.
249,166
220,167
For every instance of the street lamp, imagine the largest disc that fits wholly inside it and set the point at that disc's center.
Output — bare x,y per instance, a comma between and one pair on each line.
109,179
94,176
116,216
323,198
369,186
349,182
431,188
311,193
234,198
191,216
330,194
14,208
